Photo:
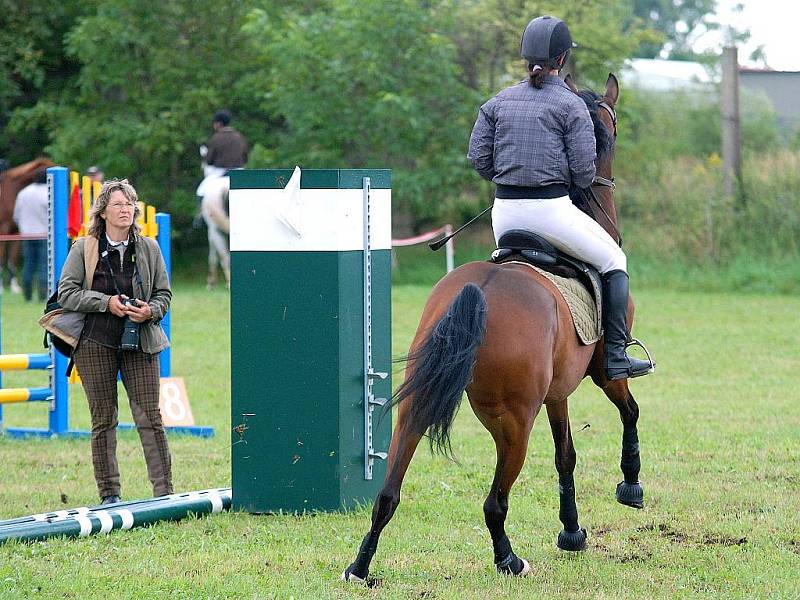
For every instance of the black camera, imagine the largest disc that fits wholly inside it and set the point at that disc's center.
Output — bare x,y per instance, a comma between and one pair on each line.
130,333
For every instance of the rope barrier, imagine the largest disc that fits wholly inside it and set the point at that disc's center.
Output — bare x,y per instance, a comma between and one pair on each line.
428,236
21,237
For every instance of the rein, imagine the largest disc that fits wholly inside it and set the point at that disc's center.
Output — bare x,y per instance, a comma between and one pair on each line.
589,193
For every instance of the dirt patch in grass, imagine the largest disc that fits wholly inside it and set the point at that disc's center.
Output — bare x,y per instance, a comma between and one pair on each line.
665,531
635,554
678,537
722,540
632,558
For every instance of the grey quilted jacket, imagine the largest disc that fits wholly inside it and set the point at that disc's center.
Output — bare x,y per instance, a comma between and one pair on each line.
532,137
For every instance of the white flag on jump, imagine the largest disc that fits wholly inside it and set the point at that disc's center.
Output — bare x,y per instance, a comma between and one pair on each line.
290,213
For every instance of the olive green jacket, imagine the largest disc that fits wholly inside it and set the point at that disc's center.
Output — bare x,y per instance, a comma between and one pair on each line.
75,286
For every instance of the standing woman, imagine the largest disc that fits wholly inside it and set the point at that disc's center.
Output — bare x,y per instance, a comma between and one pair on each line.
535,139
118,278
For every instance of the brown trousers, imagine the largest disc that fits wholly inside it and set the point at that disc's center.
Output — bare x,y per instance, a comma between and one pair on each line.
98,367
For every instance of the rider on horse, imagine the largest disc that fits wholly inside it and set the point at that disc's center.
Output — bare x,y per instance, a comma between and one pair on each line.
534,140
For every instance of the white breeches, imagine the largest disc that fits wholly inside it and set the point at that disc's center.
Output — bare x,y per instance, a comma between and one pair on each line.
562,224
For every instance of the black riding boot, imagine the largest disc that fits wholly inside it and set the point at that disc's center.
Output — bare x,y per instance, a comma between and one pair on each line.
615,308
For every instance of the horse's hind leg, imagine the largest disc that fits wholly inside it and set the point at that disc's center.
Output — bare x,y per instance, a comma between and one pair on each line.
211,280
511,440
629,490
225,261
13,260
401,451
572,537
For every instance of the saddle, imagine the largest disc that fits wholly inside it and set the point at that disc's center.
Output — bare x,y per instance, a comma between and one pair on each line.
519,245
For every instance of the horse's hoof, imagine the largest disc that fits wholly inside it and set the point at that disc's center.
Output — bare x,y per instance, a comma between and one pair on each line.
630,494
526,568
572,541
348,575
508,569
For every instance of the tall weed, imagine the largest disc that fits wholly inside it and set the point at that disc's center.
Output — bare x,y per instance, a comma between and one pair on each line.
683,217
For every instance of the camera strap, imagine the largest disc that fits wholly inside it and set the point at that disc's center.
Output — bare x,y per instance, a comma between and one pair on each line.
104,256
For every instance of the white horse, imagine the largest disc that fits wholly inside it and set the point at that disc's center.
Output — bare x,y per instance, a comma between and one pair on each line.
214,192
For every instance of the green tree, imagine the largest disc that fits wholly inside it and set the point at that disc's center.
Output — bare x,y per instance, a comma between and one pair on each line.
325,83
33,64
676,21
151,74
371,83
366,83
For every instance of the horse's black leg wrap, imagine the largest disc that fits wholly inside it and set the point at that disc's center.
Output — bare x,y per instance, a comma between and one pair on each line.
630,462
572,537
505,560
629,491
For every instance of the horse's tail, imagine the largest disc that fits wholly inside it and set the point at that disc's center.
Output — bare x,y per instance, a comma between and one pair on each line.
441,368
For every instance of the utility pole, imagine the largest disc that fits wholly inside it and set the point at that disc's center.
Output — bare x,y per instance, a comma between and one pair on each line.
731,134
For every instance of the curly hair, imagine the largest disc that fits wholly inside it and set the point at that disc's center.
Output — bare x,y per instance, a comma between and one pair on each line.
97,225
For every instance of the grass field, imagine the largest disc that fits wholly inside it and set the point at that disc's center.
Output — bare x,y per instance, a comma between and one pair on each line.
720,436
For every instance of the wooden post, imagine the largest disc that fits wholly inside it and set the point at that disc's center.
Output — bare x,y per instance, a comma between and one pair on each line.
731,136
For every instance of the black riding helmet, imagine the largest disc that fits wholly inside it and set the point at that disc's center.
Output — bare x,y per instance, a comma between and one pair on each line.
544,40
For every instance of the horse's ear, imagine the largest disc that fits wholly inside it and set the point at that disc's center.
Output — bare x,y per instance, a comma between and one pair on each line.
612,90
570,83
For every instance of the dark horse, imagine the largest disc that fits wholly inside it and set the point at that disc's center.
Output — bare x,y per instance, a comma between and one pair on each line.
505,335
11,182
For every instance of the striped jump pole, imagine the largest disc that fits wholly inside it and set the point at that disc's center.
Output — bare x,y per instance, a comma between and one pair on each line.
24,362
86,521
12,395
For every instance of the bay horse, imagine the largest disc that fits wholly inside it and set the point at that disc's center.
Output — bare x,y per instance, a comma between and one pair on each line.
504,334
11,182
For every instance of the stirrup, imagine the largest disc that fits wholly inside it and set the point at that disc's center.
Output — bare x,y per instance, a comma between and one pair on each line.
615,373
635,342
632,374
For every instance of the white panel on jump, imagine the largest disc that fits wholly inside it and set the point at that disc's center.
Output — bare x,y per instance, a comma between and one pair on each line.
328,220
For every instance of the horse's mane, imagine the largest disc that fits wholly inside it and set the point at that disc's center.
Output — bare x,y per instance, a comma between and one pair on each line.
605,140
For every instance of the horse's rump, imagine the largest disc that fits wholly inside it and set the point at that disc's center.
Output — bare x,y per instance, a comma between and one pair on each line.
528,327
214,201
11,182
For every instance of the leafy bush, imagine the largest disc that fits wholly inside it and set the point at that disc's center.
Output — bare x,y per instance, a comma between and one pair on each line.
684,213
657,126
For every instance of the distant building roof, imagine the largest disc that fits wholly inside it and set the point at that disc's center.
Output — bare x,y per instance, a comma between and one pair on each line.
665,75
767,71
781,87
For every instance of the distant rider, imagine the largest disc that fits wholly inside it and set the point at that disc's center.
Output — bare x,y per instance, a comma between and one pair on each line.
226,149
